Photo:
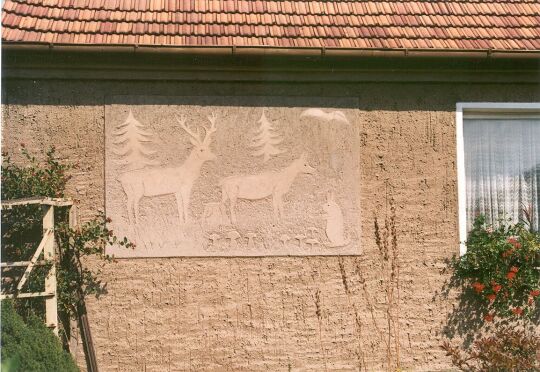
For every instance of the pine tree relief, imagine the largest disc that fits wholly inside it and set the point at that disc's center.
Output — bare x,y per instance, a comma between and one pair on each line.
266,140
132,142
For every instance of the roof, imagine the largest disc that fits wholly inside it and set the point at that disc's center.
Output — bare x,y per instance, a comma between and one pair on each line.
449,25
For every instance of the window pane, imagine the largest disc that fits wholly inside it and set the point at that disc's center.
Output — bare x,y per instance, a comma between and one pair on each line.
502,169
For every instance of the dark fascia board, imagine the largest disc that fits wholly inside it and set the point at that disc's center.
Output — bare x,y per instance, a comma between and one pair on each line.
278,51
264,64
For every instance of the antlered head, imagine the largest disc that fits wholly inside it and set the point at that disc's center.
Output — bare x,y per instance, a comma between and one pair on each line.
204,153
201,147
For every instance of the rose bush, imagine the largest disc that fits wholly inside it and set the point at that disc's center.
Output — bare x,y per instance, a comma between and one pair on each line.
502,268
22,231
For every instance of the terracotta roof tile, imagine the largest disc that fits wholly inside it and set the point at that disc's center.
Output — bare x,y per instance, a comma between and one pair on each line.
394,24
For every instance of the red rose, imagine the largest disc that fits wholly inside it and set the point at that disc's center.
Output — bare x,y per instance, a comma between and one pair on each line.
496,287
510,275
514,242
535,292
478,287
491,297
489,317
517,310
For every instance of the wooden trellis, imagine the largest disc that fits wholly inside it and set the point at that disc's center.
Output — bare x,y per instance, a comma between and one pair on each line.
47,247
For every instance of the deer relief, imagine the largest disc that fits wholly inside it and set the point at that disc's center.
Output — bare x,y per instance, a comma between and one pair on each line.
259,186
179,181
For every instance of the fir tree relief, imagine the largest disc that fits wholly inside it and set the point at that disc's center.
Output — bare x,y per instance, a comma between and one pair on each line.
132,144
266,140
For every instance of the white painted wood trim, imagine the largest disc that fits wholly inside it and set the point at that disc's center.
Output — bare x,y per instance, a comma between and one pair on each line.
56,202
461,183
44,241
49,253
27,295
22,263
489,108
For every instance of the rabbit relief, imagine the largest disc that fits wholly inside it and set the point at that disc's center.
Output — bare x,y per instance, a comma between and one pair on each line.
335,230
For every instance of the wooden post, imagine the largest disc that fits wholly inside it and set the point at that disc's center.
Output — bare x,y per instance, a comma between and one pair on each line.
73,331
51,303
84,326
72,216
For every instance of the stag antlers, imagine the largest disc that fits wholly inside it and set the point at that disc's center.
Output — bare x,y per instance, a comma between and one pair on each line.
195,138
212,129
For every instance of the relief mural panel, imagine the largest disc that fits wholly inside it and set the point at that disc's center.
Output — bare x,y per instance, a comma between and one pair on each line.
233,176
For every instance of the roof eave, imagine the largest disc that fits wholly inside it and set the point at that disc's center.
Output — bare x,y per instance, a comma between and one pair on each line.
275,51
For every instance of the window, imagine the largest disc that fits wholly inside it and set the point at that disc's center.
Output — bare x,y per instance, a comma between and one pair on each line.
498,154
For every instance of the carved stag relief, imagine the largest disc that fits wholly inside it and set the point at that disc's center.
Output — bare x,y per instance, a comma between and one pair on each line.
179,181
216,225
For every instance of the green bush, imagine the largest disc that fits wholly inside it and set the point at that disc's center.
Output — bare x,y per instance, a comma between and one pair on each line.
22,231
500,268
507,350
22,226
499,272
30,346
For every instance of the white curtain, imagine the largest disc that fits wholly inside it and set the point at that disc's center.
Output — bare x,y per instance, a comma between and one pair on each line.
502,166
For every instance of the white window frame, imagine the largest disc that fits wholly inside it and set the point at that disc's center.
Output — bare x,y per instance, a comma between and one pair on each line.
481,110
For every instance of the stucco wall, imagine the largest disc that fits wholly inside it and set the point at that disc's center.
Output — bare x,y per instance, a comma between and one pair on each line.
278,313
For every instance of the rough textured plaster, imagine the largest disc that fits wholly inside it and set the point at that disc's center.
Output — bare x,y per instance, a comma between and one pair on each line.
276,313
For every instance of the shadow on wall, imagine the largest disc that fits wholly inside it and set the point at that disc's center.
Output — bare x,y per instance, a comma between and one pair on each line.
371,96
467,316
88,78
466,319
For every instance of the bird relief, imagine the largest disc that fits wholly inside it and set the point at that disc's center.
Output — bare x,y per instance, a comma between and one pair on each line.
278,205
320,114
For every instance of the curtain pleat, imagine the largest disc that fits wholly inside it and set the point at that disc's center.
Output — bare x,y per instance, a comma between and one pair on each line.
502,170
